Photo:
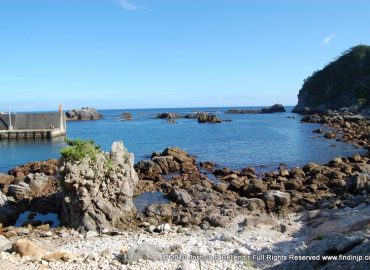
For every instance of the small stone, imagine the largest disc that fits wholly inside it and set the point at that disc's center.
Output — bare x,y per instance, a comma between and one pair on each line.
187,266
241,251
5,244
123,250
91,234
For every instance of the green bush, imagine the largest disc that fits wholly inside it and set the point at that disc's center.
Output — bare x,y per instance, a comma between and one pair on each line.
78,149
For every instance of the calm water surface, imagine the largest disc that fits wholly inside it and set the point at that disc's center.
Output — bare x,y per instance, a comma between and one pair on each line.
261,140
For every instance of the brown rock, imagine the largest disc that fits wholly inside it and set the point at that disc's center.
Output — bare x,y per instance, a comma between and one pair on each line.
178,154
5,181
25,247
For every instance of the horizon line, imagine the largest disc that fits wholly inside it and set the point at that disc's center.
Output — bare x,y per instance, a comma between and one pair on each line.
144,108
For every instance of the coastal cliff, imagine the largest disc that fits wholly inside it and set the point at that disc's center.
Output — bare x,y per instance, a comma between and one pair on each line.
343,83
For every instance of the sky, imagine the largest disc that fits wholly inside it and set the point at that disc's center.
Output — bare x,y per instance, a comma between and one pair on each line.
169,53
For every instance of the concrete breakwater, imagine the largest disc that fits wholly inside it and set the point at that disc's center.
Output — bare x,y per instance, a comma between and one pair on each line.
35,125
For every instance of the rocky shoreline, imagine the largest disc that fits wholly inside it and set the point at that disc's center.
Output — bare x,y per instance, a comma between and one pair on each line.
303,207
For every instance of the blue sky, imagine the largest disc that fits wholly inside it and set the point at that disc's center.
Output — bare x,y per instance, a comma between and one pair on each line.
169,53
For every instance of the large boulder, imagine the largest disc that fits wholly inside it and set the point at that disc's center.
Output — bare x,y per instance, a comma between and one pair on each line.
83,114
20,191
97,192
41,184
25,247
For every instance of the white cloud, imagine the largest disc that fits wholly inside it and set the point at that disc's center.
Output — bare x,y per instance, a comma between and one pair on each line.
126,4
328,39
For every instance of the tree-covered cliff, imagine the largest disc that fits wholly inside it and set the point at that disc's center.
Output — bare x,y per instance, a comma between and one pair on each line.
344,82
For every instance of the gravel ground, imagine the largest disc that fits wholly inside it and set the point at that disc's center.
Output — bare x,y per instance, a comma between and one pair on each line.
216,246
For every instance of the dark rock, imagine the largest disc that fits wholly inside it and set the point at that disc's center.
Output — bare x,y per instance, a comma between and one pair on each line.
148,169
168,116
127,116
357,182
340,84
274,109
254,188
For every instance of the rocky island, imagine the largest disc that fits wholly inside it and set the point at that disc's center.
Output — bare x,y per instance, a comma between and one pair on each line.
83,114
273,109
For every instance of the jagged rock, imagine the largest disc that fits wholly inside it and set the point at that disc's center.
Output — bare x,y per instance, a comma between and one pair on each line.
167,164
83,114
106,200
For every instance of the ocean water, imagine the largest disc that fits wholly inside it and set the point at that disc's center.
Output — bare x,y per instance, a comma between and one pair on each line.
260,140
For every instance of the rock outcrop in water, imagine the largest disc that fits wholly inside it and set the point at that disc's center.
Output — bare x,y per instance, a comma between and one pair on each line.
273,109
208,118
83,114
97,194
343,83
127,116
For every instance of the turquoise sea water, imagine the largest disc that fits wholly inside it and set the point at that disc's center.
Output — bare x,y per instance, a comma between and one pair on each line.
261,140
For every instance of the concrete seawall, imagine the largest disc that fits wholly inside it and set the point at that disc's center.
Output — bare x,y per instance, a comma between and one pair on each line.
33,125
